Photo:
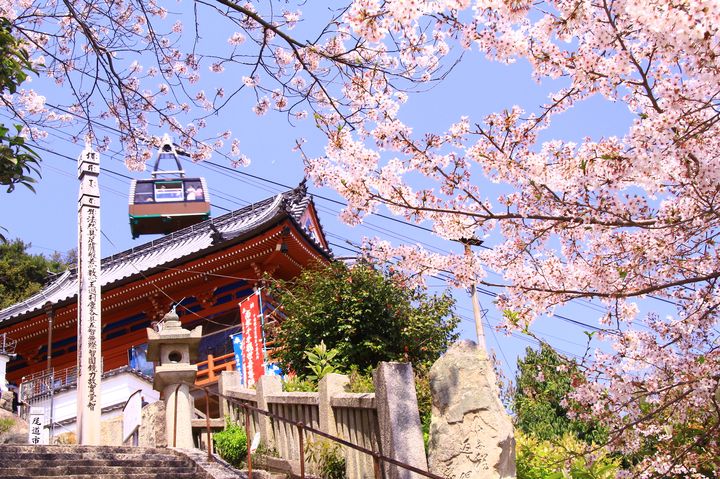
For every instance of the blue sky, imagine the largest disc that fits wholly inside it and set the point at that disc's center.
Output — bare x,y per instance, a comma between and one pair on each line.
47,219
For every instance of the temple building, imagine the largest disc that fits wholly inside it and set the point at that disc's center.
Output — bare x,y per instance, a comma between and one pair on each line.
203,270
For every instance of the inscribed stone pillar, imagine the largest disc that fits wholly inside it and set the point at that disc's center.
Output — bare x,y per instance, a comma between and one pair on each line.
398,419
471,435
89,357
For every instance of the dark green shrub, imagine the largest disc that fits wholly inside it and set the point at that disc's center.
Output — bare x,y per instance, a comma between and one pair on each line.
327,458
231,444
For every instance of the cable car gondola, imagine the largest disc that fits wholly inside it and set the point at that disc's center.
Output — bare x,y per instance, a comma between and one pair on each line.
168,201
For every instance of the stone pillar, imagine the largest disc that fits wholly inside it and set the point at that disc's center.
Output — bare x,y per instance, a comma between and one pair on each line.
173,349
6,397
471,435
266,386
4,358
178,415
330,385
89,357
398,419
228,380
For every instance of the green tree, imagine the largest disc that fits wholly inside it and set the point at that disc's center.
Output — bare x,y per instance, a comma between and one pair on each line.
23,274
544,380
17,160
365,314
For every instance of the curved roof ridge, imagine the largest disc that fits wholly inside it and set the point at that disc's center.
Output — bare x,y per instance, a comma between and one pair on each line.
44,293
175,246
269,212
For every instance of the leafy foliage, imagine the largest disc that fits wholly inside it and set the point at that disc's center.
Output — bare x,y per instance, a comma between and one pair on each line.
365,315
327,457
6,423
17,160
565,458
231,443
360,381
23,274
543,383
320,360
296,384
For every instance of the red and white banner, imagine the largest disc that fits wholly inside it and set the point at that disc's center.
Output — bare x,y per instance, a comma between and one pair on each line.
252,339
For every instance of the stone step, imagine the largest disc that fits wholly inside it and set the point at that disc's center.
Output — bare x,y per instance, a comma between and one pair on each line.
90,456
120,475
92,469
95,462
59,455
170,461
10,460
75,449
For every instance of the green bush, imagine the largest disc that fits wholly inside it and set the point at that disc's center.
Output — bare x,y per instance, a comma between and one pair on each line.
295,384
231,444
564,458
360,381
327,457
6,424
320,360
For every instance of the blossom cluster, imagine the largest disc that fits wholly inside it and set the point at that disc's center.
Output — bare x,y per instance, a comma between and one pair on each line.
616,219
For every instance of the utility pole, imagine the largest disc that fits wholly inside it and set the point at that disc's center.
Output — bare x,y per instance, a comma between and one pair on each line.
477,314
89,360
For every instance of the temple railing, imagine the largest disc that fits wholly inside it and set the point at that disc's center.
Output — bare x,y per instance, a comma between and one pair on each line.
7,345
289,421
210,369
44,383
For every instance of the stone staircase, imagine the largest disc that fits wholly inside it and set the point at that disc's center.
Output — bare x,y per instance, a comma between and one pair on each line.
95,462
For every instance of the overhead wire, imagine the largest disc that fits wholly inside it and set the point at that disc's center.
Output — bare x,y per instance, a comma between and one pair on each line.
481,290
325,198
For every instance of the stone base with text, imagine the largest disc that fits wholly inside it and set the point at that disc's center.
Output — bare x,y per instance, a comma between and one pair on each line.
471,435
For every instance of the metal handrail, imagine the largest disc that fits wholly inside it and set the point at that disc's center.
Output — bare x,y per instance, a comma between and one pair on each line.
378,458
7,345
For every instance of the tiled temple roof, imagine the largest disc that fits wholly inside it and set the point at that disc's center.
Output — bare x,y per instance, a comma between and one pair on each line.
190,242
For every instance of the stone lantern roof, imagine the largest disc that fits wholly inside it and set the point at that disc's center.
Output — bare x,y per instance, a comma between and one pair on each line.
172,332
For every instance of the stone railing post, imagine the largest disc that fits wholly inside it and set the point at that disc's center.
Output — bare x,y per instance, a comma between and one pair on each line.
398,418
227,380
267,385
329,386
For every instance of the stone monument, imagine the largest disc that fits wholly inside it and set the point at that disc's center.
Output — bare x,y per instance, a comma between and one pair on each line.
89,358
471,434
173,349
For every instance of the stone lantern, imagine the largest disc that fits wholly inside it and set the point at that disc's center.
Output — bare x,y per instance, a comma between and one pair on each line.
173,349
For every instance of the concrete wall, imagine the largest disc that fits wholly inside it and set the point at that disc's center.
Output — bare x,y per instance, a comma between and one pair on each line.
115,390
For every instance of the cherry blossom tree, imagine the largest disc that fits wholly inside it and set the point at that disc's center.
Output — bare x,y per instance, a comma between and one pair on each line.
615,219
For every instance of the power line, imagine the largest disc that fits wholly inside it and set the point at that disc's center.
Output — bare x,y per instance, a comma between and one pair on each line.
325,198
